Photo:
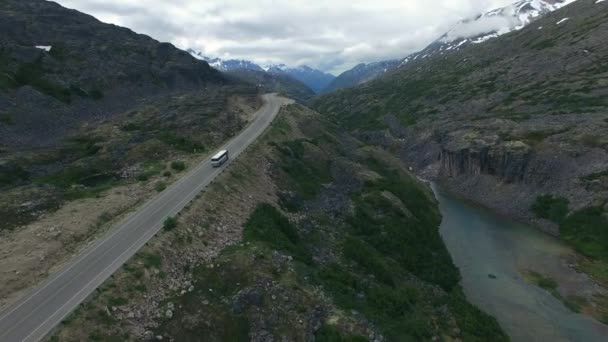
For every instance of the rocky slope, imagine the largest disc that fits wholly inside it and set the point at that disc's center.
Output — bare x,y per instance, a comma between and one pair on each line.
505,122
327,240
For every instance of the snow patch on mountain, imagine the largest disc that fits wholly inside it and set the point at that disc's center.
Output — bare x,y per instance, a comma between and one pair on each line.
225,65
489,25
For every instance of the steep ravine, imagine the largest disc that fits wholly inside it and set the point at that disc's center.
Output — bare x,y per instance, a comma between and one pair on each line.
505,174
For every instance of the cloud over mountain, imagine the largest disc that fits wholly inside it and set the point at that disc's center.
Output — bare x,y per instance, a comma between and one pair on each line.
329,36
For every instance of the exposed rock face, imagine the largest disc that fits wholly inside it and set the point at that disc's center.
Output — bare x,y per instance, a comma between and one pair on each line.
507,161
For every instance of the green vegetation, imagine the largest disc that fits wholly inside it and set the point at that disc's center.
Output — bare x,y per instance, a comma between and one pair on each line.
596,176
178,165
117,301
170,223
587,231
152,260
83,180
33,74
130,127
426,255
267,224
551,208
328,333
573,303
6,119
306,169
160,186
545,44
6,81
181,143
12,173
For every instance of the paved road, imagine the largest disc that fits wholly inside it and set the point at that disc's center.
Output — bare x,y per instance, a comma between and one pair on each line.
38,312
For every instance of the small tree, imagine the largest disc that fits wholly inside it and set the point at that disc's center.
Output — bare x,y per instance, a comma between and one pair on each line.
170,223
178,165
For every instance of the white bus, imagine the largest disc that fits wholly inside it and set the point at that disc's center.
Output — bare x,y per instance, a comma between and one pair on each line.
219,158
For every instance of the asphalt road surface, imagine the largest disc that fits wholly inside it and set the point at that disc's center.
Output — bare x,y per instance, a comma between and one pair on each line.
38,312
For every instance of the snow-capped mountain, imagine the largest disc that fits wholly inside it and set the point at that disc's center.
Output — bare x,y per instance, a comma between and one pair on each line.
475,30
226,65
316,80
490,25
361,74
313,78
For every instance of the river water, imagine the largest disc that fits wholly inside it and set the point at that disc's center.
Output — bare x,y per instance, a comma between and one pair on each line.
482,244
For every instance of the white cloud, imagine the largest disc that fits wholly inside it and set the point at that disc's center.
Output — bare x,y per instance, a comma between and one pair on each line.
331,35
481,26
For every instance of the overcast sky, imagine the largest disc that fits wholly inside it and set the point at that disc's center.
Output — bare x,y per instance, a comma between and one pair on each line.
329,35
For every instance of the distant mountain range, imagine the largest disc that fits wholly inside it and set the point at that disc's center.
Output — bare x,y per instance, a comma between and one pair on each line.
474,30
361,74
316,80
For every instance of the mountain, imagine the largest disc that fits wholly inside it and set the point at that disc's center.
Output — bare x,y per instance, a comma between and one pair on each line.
360,74
518,123
275,82
226,65
86,106
312,78
490,25
315,79
475,30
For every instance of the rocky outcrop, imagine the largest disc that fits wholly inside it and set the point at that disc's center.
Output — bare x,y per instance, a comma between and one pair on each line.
507,161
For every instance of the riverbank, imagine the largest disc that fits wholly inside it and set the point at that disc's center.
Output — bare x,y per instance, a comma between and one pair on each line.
497,257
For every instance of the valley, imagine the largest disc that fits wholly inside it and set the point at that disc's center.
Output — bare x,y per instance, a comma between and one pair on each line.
458,193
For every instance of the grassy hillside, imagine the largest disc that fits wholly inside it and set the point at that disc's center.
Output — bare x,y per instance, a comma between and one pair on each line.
311,235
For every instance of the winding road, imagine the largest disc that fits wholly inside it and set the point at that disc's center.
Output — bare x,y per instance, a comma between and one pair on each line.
38,312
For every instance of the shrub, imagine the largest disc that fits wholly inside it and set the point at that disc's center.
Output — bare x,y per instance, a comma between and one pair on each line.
152,260
551,208
368,259
587,231
167,174
328,333
181,143
33,74
6,119
142,177
170,223
178,165
266,224
129,127
160,186
11,173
